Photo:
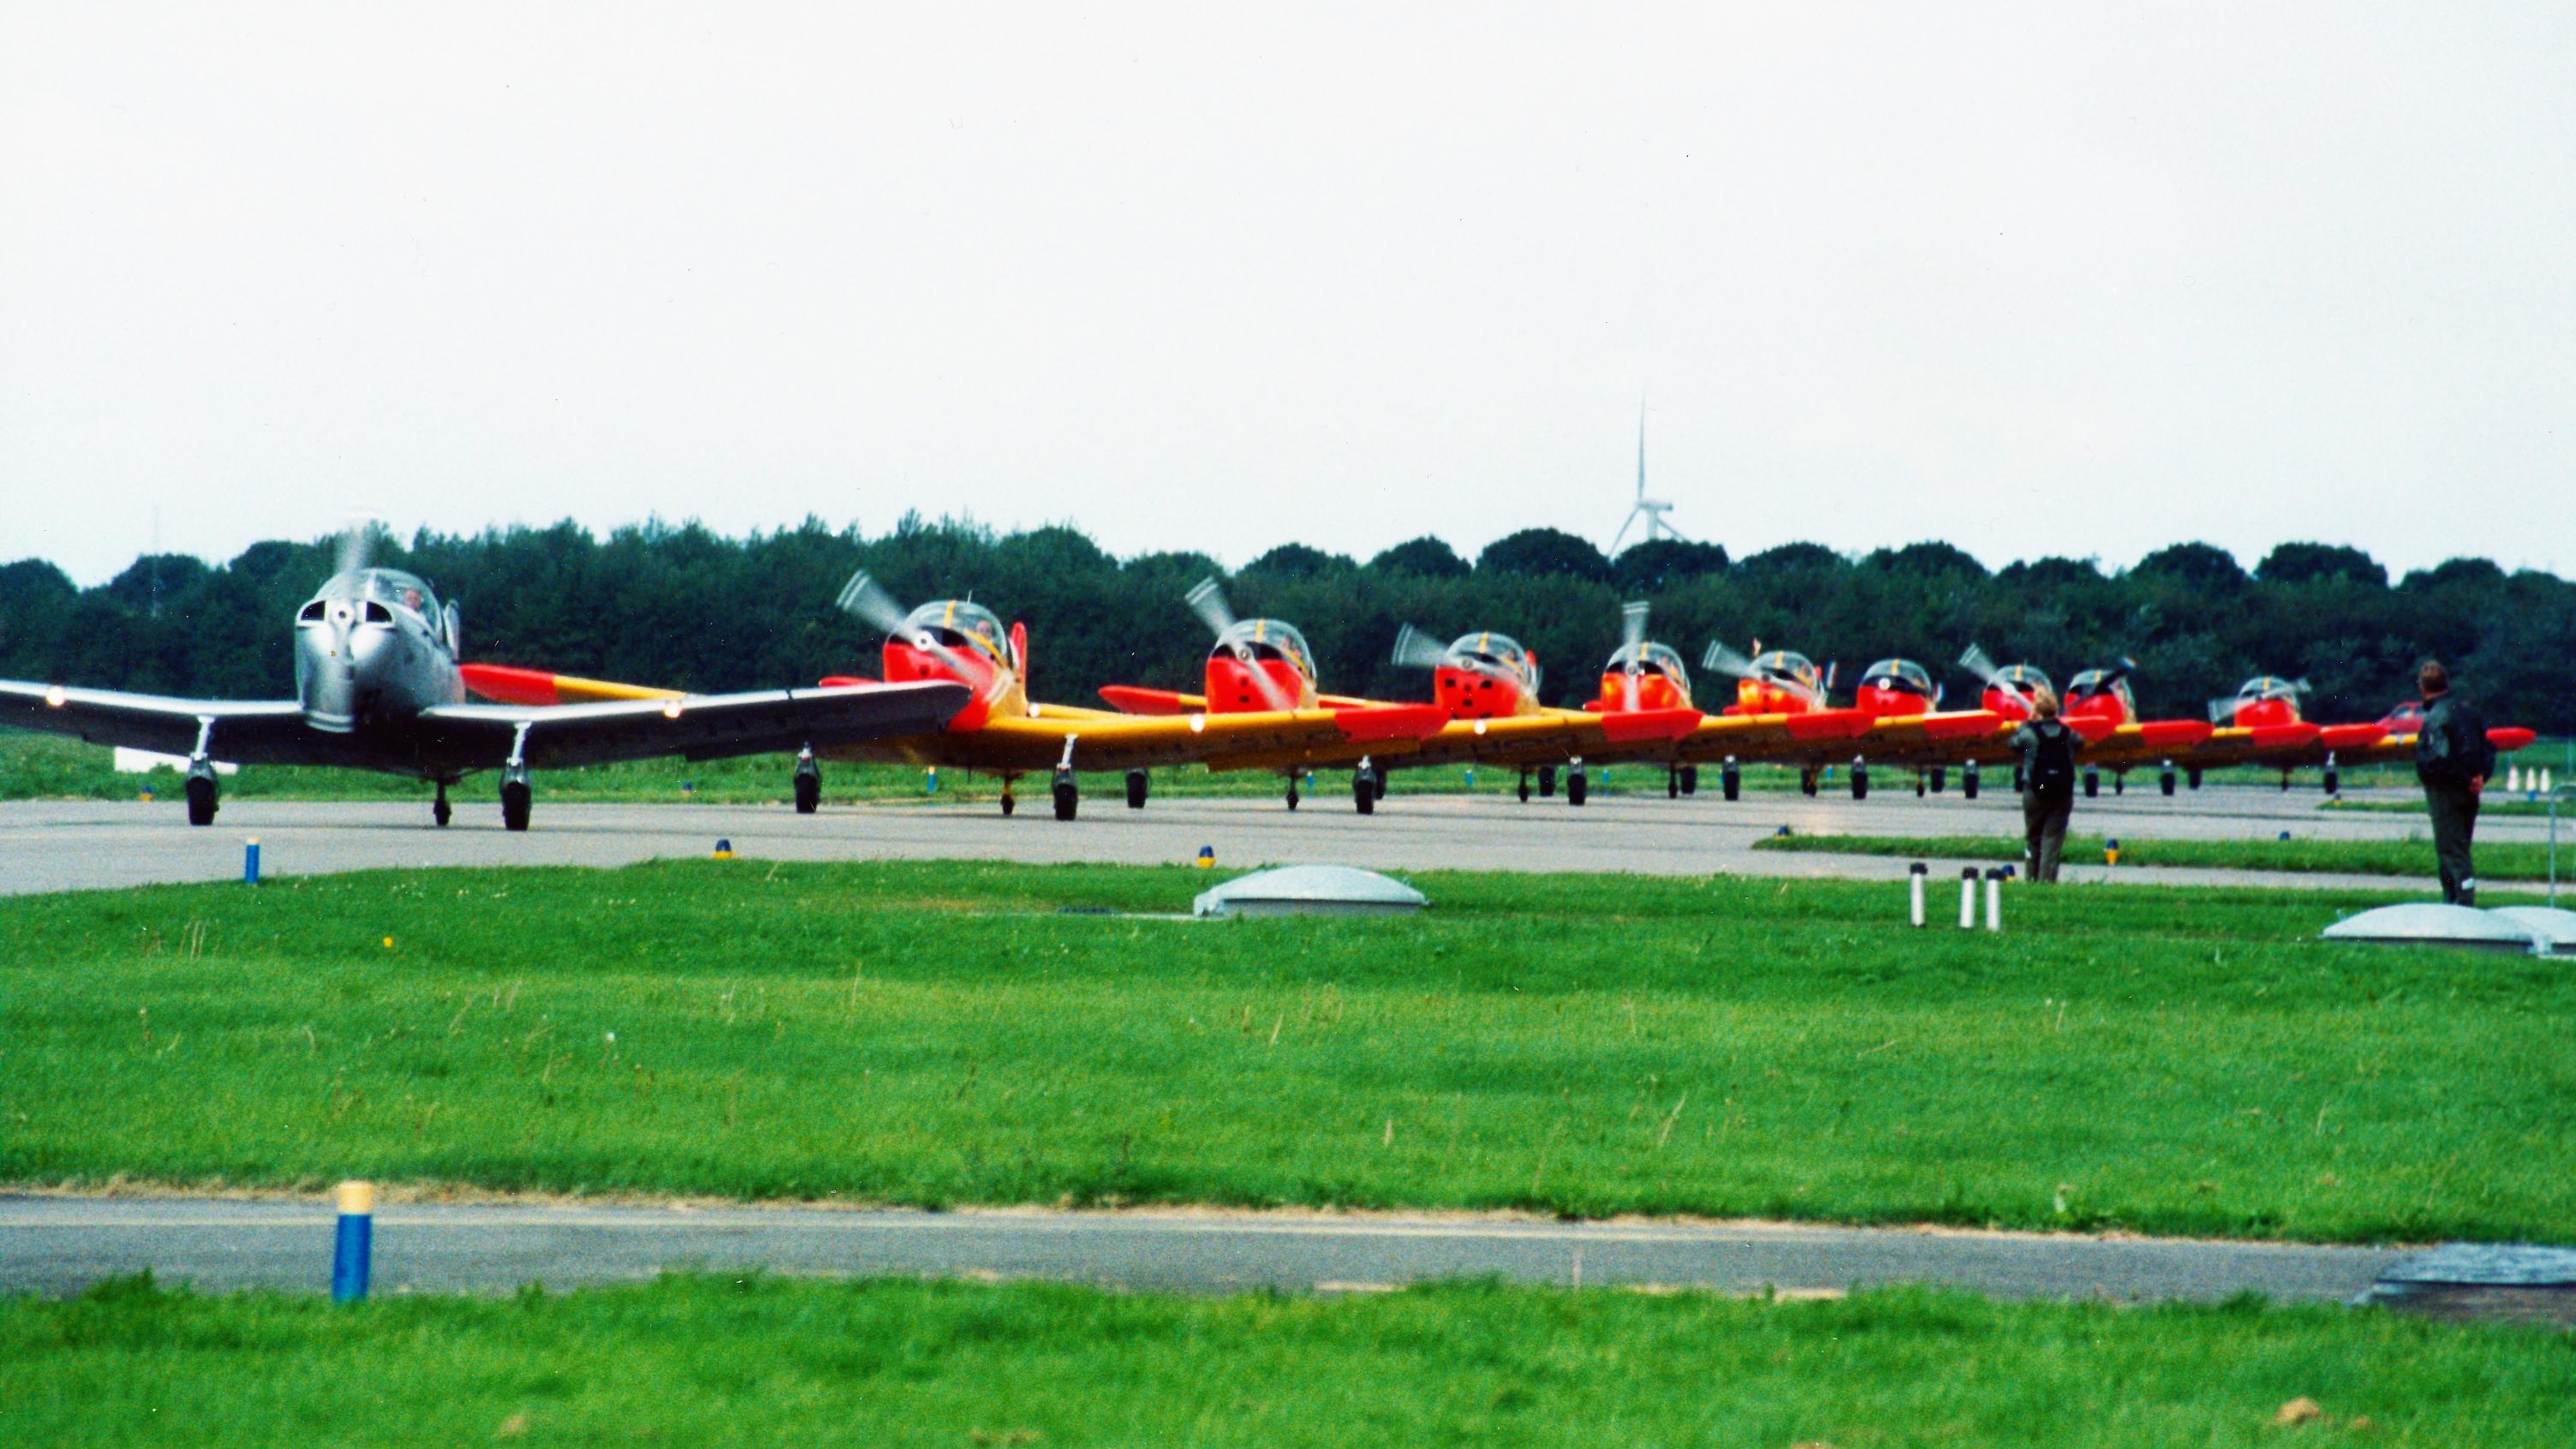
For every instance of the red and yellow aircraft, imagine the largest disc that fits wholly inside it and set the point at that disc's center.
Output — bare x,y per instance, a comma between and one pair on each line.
1895,718
2262,726
2097,705
1006,732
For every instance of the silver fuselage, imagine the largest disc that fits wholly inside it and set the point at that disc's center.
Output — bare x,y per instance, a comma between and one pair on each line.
373,649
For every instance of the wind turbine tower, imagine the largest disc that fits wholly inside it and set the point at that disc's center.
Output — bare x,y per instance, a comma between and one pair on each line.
1652,510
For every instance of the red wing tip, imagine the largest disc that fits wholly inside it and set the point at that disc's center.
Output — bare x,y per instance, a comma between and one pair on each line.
1131,699
510,684
1391,721
2510,738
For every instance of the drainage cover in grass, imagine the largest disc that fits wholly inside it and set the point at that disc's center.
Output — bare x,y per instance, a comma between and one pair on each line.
1311,890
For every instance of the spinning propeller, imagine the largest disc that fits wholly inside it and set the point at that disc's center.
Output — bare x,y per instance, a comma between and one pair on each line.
1208,602
1724,660
1981,664
866,599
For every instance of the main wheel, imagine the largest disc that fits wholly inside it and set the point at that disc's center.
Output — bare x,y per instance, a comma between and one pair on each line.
1364,792
1968,781
1578,787
1377,782
1292,794
1135,789
1730,781
2165,779
809,793
1546,780
439,813
1008,804
2119,782
1860,782
2334,780
1807,782
2092,784
1918,787
1067,799
1690,779
202,795
2194,777
1940,778
516,801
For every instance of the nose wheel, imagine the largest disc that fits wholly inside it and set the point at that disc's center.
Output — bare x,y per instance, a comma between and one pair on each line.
809,782
517,800
1068,798
202,796
1364,789
1967,780
1578,785
1136,789
1730,779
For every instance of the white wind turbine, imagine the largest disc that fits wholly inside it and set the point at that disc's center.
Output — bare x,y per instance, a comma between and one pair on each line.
1652,510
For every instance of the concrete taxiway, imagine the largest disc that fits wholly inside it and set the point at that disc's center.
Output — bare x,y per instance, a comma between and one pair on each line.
58,1245
52,845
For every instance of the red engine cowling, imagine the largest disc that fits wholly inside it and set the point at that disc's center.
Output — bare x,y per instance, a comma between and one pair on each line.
1233,685
1474,694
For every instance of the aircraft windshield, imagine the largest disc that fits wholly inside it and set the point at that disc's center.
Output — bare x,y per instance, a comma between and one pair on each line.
959,624
1496,652
390,587
2026,679
1902,674
1268,639
2266,686
1652,658
1785,664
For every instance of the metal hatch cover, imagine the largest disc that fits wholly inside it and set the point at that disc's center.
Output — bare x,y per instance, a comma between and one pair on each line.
1310,890
2425,923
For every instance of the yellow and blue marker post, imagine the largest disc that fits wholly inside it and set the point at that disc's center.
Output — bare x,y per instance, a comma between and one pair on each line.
355,1243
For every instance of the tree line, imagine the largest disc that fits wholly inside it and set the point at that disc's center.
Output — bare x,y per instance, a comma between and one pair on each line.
679,605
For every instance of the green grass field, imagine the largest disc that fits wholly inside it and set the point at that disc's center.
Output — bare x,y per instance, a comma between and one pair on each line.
2497,860
933,1033
708,1361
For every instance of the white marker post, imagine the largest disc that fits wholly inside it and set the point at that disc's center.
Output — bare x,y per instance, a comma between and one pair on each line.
1915,875
1968,899
1995,899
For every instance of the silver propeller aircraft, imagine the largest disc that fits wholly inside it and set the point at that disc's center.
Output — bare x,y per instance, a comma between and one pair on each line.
377,688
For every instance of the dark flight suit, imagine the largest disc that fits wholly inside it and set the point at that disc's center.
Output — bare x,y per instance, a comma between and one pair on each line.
2452,753
2048,791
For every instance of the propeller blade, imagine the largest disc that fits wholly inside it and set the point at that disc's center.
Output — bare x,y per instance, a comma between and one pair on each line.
1417,650
357,543
1977,662
2222,710
1723,660
1632,625
866,599
1207,600
2121,668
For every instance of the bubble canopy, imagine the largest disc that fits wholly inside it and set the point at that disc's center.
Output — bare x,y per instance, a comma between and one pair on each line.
1259,639
957,624
1902,674
1650,657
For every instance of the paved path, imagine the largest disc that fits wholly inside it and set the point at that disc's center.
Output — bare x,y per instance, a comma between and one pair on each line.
49,845
57,1245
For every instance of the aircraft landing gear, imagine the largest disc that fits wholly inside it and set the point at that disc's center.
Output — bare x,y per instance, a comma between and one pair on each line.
1690,780
2285,782
1525,787
439,814
2165,778
2193,779
2119,782
1968,780
1008,804
2092,784
1292,789
809,782
2334,777
1918,785
1364,788
1860,780
1135,789
1730,779
1940,778
517,799
202,795
1068,797
1546,780
1807,780
1578,785
1673,783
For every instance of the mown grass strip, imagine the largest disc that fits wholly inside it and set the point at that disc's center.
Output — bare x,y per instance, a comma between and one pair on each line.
2497,860
941,1032
708,1361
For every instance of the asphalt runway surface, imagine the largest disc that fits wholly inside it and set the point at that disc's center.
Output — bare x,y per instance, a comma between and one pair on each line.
58,1245
55,845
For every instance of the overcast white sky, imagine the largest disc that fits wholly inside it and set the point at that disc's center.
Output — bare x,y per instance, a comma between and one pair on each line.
2049,279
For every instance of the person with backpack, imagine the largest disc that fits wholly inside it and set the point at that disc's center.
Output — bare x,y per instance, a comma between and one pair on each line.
2048,747
2453,757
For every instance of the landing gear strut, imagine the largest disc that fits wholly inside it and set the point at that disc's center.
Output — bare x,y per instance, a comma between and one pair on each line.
1008,803
1525,787
202,789
1860,780
1546,780
1967,780
809,782
438,812
1673,783
516,795
1292,789
1690,779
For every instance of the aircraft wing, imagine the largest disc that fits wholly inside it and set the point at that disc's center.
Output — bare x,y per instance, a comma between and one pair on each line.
697,727
245,731
1819,735
1552,737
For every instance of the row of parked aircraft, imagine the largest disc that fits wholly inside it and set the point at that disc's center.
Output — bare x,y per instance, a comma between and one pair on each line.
381,684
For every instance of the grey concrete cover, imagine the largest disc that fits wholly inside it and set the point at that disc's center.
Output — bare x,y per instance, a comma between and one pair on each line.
1310,890
2430,924
2517,1265
2553,928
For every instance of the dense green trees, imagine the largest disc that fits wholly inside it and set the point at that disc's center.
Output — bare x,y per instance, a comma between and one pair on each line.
676,604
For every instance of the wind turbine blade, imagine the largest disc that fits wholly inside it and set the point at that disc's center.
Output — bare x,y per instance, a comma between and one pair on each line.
1207,600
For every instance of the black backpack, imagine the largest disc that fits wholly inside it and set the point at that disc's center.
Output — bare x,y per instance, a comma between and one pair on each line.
2052,762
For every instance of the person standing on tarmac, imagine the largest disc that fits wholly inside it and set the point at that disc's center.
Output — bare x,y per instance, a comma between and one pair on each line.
2453,757
2048,749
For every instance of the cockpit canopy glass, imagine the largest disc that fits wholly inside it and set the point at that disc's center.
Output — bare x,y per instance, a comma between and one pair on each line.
2026,678
1495,653
1651,658
2094,681
1261,639
2266,686
958,624
1899,674
1785,664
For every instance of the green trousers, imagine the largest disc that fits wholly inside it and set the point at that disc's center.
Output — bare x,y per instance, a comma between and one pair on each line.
2455,819
2043,821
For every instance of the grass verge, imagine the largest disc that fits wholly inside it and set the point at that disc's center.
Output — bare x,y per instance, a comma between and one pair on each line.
2497,860
941,1032
708,1361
